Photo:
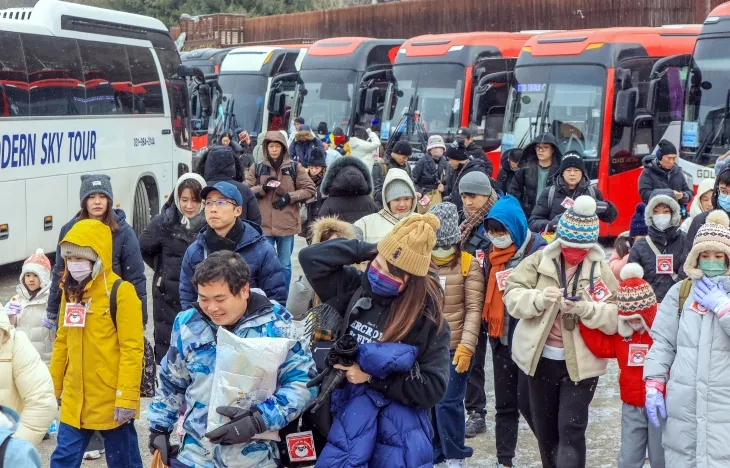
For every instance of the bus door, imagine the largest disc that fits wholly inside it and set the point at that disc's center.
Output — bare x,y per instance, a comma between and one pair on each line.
371,96
281,98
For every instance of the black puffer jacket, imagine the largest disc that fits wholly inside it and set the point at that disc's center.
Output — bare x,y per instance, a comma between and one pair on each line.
544,216
670,241
347,187
221,165
654,177
163,244
452,188
428,174
524,185
477,152
325,266
506,174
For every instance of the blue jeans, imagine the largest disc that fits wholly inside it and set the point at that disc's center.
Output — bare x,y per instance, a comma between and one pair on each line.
122,447
450,420
284,246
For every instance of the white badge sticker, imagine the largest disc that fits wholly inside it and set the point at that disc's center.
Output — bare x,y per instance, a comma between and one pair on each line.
442,279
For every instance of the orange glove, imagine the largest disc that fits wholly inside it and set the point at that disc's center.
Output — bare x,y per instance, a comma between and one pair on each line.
462,358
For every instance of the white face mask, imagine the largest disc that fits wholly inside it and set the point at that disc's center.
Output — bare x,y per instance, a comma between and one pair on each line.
501,242
637,327
79,270
662,221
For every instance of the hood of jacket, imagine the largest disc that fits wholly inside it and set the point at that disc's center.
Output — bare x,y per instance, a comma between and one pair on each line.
529,155
278,137
96,235
398,174
5,326
504,162
347,177
252,233
331,224
507,210
651,163
662,197
707,185
716,187
304,136
220,164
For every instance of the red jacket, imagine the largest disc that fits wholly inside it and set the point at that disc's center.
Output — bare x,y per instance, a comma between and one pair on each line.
631,378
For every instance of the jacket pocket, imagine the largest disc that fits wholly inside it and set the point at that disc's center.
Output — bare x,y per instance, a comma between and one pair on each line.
107,376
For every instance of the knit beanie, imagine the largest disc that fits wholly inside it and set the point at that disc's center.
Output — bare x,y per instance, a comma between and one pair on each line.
435,141
665,147
638,224
457,151
72,250
317,158
397,188
38,264
402,147
95,183
408,246
475,183
578,227
572,160
448,233
635,299
714,235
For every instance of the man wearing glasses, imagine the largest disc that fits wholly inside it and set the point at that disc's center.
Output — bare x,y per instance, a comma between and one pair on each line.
226,231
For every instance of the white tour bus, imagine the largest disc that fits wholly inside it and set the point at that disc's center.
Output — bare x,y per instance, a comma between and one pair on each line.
84,90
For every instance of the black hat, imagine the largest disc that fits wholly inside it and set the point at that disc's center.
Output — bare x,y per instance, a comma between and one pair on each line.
514,154
665,147
403,147
299,120
338,131
463,132
572,160
316,158
457,151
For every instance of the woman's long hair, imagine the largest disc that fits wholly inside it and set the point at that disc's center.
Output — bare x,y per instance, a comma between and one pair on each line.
423,295
73,290
110,219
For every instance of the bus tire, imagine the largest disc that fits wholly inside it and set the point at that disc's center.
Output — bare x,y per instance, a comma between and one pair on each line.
141,215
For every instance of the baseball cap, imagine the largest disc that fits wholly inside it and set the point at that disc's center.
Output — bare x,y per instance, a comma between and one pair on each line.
226,189
463,132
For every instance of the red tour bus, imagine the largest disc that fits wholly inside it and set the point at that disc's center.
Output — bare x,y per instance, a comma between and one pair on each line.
439,79
590,89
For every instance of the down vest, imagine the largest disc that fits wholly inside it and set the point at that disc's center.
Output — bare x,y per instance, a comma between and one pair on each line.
370,429
347,186
524,300
691,352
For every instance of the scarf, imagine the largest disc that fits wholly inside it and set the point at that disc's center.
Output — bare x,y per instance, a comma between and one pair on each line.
215,243
493,312
474,220
443,257
196,222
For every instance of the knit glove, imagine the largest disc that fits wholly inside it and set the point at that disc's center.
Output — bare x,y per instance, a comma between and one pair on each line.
13,307
122,415
48,323
266,187
655,401
462,358
244,424
281,201
710,295
549,296
579,308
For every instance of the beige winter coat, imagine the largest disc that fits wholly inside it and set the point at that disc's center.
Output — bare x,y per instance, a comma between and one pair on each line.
25,383
463,302
524,299
376,226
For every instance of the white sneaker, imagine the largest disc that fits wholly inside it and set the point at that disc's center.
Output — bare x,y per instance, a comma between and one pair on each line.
456,463
92,455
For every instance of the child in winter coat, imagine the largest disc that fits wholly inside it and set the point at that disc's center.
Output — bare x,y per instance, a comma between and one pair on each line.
636,310
701,202
27,308
686,370
625,240
463,283
660,253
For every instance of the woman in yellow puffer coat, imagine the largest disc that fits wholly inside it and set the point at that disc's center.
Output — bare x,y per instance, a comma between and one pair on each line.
96,366
463,283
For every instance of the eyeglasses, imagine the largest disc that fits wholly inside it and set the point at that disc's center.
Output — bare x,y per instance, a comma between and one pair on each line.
543,148
218,203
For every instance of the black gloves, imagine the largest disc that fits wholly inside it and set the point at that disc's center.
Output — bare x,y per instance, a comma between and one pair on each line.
267,188
601,206
160,440
344,352
281,201
244,424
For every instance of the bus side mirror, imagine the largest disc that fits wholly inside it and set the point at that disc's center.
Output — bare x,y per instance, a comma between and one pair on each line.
625,111
204,100
277,102
478,105
369,100
652,96
190,72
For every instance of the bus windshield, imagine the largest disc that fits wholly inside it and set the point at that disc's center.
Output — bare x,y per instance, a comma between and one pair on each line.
566,100
706,129
431,92
247,91
328,97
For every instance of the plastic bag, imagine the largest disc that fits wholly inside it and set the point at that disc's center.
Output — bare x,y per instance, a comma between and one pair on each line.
246,373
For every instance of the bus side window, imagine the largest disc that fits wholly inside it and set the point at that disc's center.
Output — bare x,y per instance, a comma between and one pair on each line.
54,76
145,81
13,77
108,81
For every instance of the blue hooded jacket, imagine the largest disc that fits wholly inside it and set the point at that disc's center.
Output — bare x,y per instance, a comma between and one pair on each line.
372,430
266,271
18,452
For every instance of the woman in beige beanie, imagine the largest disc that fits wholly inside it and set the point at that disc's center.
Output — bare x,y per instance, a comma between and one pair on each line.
394,301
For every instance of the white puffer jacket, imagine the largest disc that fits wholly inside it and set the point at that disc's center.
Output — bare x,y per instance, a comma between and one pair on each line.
378,225
30,319
365,150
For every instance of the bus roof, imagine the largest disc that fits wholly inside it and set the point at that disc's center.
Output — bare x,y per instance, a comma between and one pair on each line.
269,60
609,45
509,44
351,53
718,23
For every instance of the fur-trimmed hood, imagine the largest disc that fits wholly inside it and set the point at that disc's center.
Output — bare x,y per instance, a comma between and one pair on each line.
331,224
347,177
662,197
304,135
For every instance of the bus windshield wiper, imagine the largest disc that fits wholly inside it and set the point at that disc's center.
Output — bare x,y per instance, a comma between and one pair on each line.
708,137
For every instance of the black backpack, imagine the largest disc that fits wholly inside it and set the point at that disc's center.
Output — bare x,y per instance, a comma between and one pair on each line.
263,169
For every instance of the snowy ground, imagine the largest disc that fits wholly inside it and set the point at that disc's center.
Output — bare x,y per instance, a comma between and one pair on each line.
604,429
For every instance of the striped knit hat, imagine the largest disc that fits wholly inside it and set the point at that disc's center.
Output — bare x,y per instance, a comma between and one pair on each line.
714,235
578,227
635,299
